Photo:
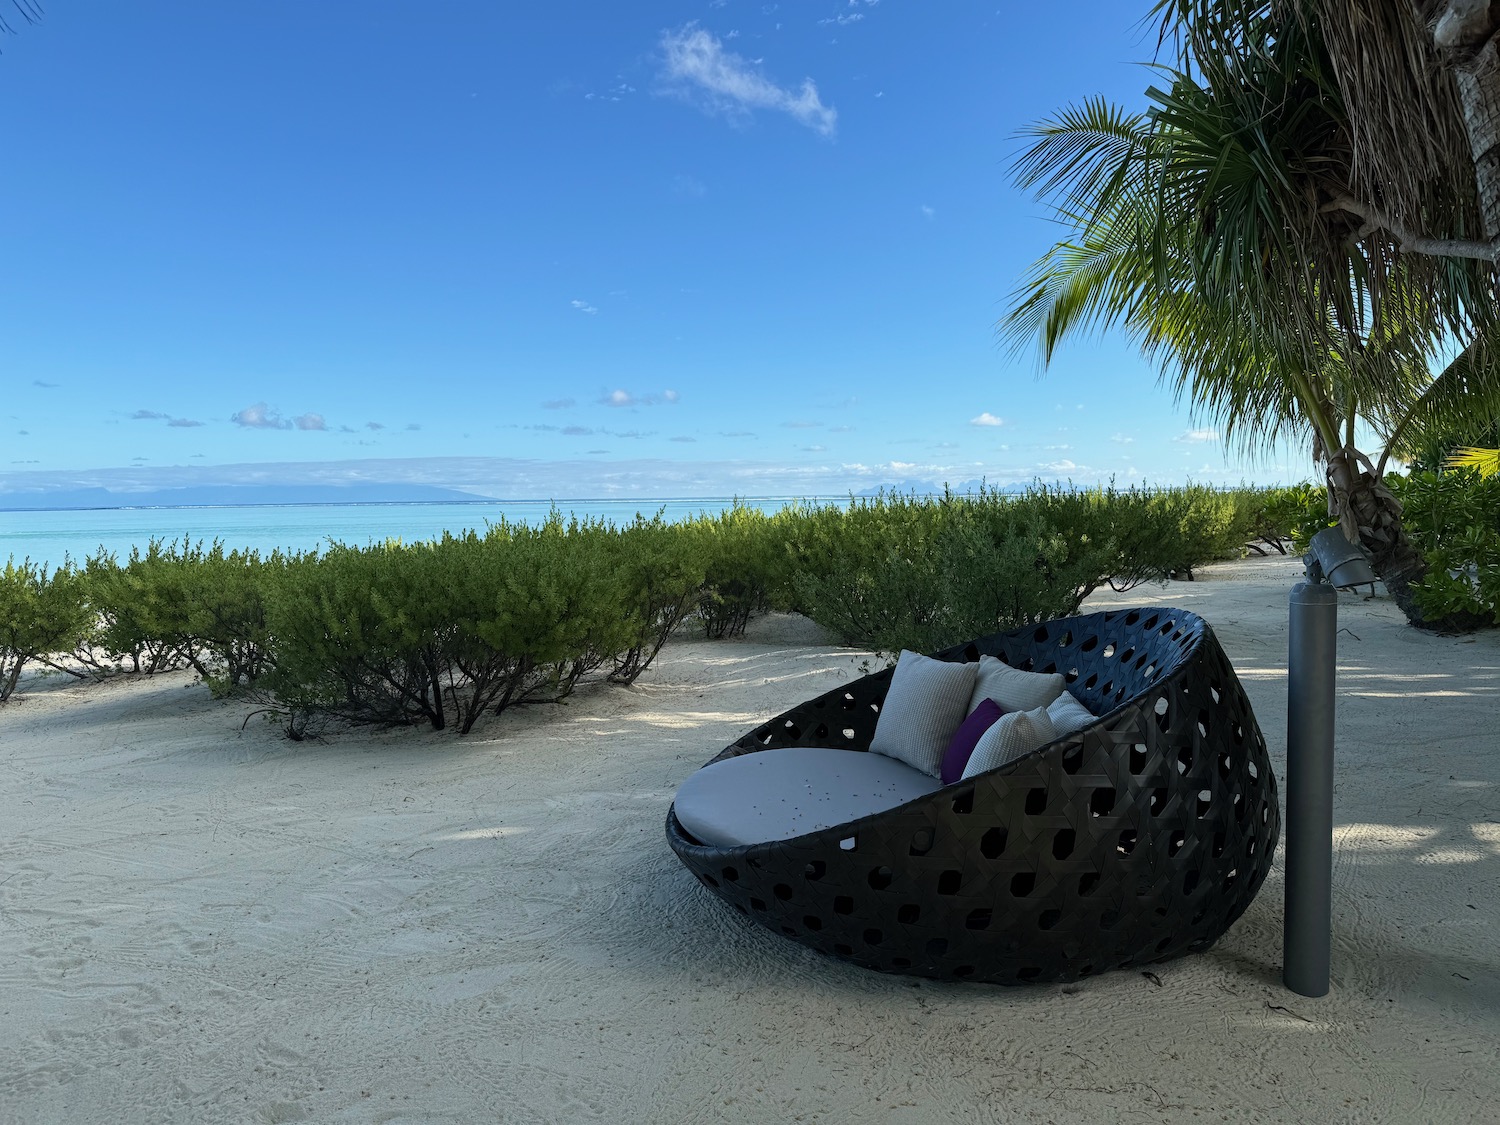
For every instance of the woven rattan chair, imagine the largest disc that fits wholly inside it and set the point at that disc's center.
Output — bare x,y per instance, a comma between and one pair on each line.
1141,837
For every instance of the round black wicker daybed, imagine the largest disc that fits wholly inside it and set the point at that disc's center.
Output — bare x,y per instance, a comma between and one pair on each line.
1142,836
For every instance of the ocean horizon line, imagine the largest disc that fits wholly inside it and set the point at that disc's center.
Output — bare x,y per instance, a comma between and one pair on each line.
477,501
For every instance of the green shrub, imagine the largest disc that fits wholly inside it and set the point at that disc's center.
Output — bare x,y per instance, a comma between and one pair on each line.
895,572
662,568
446,631
1453,518
745,564
124,630
41,614
205,606
357,633
575,581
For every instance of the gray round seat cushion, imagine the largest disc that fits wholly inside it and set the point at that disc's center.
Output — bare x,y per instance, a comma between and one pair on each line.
780,794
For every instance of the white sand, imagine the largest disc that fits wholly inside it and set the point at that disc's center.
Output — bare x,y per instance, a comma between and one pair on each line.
202,925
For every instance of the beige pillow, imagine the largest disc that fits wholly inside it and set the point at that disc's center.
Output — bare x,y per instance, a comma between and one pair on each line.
1068,715
1013,735
922,709
1013,689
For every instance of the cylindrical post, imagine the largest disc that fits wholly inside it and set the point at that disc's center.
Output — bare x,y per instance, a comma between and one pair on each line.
1308,924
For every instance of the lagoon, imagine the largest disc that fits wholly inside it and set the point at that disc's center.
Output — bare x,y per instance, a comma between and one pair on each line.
49,536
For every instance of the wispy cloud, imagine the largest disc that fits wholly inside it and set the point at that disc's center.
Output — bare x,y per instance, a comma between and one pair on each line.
683,438
697,64
259,416
584,307
842,20
149,416
928,210
310,422
558,404
688,187
1122,439
1197,435
986,419
374,425
44,383
801,424
184,423
623,398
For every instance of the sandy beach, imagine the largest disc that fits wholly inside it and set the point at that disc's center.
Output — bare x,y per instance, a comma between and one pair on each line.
199,923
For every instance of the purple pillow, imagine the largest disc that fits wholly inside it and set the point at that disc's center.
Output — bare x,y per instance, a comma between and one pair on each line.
962,744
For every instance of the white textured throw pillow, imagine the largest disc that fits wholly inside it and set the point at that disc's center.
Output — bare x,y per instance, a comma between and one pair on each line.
1013,735
927,700
1068,715
1013,689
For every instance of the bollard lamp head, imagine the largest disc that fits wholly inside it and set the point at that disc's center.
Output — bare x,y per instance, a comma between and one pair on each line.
1334,559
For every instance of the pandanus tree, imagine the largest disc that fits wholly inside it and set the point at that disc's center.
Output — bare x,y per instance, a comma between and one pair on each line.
1211,229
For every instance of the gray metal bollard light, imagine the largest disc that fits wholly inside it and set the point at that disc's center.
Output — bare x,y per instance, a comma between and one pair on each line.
1311,670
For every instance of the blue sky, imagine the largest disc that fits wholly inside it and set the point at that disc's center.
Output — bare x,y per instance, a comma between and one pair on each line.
659,247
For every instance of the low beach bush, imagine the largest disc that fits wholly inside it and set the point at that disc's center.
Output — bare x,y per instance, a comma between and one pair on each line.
441,633
662,569
41,613
1453,518
182,604
893,572
745,565
123,635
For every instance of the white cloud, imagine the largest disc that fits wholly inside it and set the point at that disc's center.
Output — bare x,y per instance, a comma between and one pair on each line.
184,423
1063,466
801,425
727,83
1122,439
149,415
584,307
986,419
843,20
259,416
558,404
310,421
1197,435
621,398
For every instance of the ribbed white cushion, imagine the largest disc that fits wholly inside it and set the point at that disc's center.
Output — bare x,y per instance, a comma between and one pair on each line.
927,700
1068,715
1013,689
779,794
1012,736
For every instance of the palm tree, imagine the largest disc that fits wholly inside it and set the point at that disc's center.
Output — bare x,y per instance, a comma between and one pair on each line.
1202,228
1420,80
30,11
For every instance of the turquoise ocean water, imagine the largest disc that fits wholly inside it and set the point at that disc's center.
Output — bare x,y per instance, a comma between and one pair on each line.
49,536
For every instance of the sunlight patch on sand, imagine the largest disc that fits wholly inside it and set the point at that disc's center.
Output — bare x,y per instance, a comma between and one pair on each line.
497,833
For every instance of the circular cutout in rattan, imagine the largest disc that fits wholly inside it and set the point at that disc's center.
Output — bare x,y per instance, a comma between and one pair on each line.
1139,838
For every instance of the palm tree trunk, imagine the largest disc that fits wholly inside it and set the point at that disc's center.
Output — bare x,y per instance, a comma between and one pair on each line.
1467,35
1370,515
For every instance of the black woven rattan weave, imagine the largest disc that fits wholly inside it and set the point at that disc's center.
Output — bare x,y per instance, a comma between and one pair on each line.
1139,838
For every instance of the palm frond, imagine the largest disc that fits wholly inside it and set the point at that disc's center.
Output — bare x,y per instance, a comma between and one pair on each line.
1487,461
